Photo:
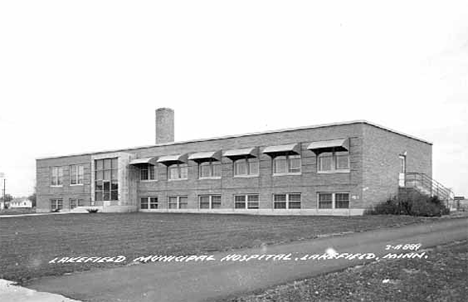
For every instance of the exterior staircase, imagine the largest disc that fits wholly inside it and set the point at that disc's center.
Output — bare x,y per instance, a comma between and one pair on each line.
428,186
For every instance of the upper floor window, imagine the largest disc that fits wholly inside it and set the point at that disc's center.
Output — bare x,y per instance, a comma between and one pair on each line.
287,164
210,169
178,171
57,176
148,172
106,179
76,174
246,167
333,161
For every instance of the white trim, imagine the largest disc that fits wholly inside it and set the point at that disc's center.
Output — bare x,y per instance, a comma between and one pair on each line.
246,176
335,171
285,174
177,179
271,212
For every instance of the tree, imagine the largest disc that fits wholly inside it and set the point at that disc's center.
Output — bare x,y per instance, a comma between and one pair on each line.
8,198
33,199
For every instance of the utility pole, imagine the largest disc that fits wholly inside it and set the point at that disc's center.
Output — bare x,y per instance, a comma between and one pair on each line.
4,188
2,205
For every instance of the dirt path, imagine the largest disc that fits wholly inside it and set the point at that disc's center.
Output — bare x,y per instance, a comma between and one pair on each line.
211,280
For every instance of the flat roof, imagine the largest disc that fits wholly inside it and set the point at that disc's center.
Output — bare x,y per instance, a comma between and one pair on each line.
243,135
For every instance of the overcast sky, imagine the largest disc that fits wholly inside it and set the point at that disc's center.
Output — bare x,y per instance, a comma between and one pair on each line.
79,76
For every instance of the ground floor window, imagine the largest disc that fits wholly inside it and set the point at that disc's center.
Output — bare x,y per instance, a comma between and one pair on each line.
287,201
56,204
210,201
333,200
247,201
76,203
148,203
177,202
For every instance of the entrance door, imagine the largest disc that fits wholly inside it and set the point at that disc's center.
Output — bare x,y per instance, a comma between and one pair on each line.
402,173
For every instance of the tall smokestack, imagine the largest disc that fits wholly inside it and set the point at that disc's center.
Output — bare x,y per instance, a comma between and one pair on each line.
164,125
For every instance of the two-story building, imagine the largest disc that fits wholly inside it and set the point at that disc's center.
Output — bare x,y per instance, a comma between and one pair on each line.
334,169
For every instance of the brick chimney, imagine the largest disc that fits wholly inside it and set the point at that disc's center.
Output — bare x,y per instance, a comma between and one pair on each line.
164,125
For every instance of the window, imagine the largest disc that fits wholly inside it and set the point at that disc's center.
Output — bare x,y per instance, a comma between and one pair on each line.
249,201
210,169
148,203
325,201
279,201
106,186
178,171
210,201
148,172
333,200
76,203
342,200
56,204
246,166
177,202
287,164
333,161
294,201
57,176
287,201
76,174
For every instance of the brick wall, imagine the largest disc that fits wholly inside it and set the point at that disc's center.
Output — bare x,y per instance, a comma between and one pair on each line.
381,150
45,192
308,183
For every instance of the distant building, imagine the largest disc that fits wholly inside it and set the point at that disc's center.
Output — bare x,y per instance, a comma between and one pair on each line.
334,169
20,203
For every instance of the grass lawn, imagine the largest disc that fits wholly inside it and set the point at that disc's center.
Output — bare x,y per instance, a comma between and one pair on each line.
441,277
17,211
27,244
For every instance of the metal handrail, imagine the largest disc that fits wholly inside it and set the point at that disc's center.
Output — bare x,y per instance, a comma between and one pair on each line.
427,183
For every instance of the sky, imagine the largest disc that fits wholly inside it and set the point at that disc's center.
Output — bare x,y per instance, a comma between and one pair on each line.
82,76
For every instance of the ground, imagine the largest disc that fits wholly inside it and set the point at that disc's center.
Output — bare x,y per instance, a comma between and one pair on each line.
441,277
29,243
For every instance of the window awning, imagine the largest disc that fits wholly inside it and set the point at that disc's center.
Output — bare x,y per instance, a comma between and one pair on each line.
170,159
246,152
201,156
291,148
144,161
342,144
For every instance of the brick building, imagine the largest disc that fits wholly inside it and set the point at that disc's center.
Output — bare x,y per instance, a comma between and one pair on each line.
334,169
